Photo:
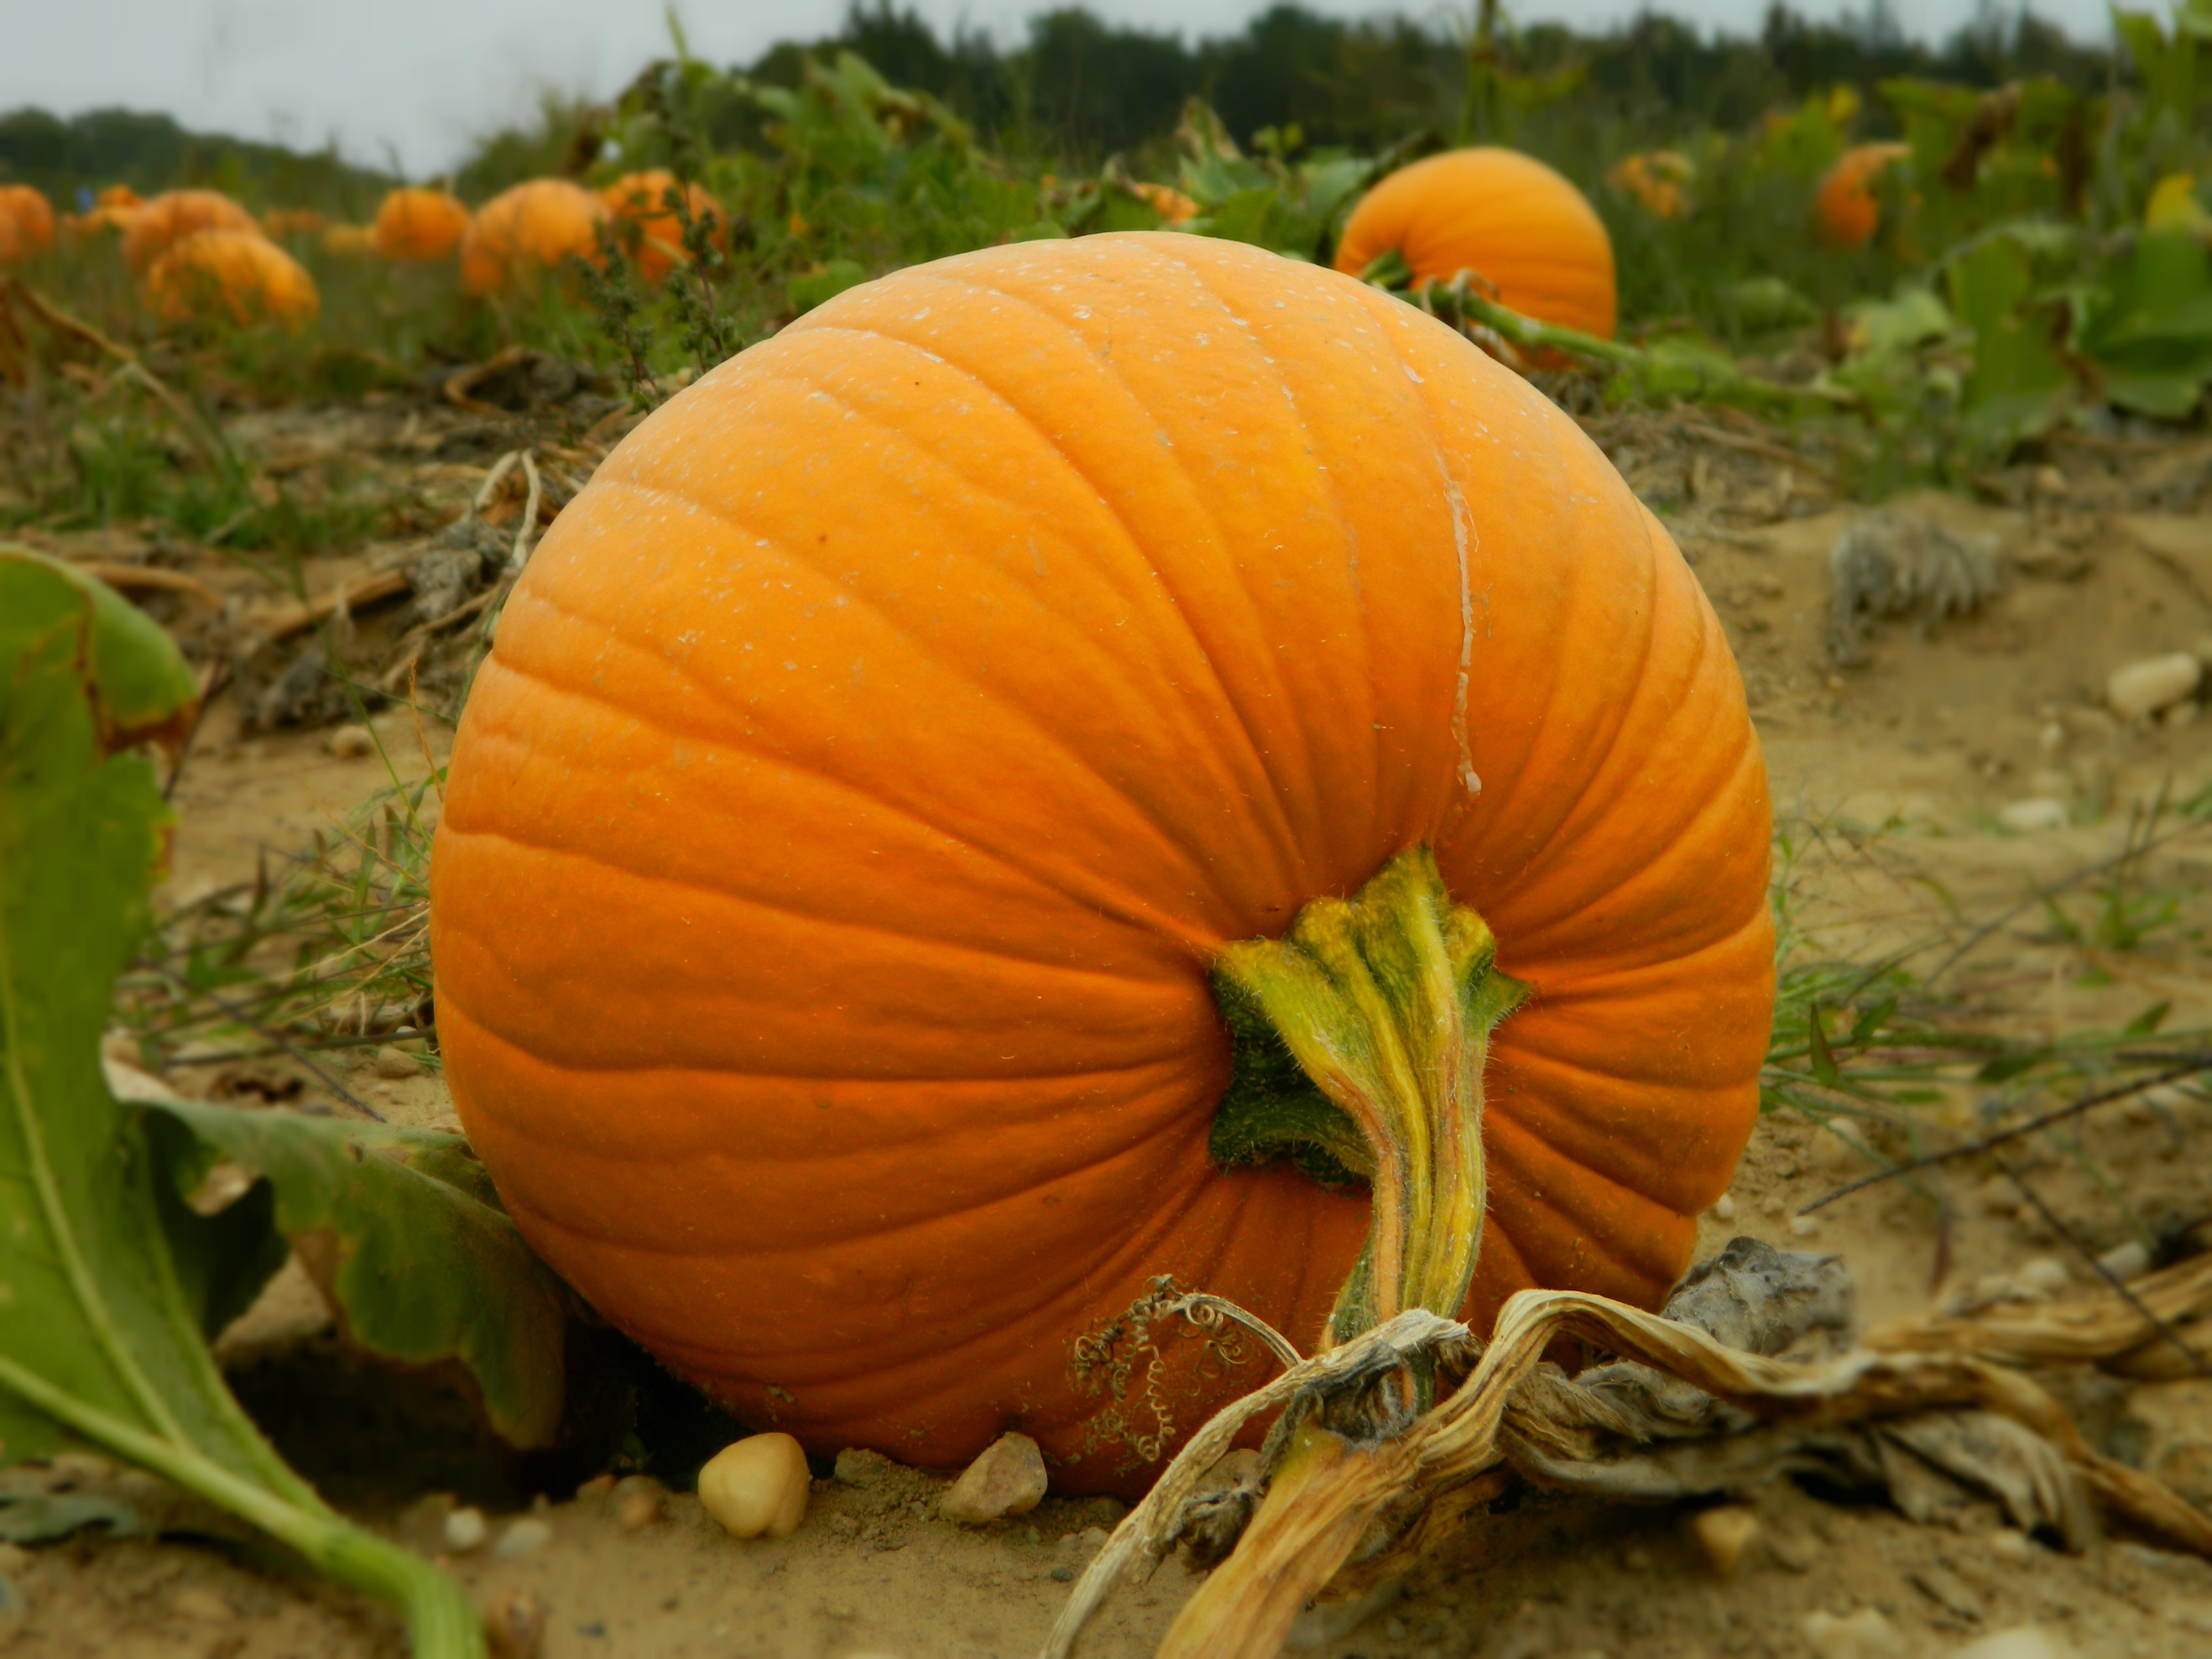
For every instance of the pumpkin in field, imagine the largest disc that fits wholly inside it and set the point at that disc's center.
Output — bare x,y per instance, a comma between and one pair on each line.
235,275
160,224
1525,232
415,223
1846,212
651,231
27,222
1170,203
879,757
527,231
1658,179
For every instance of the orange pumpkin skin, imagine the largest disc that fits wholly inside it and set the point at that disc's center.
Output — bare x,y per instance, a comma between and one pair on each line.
415,223
160,224
1846,212
1513,222
873,756
237,274
27,222
532,228
639,202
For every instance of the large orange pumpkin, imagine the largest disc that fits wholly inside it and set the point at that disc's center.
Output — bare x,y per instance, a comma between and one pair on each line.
159,225
237,274
875,755
528,230
27,222
1846,212
417,224
1518,225
639,202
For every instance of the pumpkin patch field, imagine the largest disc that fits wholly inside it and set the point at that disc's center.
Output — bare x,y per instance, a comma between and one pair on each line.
818,871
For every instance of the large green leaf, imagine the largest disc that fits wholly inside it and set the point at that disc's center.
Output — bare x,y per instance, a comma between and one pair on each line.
101,1323
403,1231
2019,381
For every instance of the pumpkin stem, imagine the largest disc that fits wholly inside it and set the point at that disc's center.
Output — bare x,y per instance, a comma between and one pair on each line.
1383,1004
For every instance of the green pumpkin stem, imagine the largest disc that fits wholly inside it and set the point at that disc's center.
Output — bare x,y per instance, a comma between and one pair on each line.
1384,1004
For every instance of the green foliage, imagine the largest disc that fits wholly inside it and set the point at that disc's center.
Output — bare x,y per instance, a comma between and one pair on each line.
114,1279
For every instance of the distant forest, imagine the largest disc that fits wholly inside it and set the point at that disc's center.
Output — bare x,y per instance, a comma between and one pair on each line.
1080,88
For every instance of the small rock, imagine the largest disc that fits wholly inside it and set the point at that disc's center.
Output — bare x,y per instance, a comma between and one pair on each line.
1865,1634
515,1624
524,1537
1723,1534
637,1510
464,1530
858,1466
2049,480
2020,1642
396,1063
2042,1276
2128,1260
1007,1479
2142,688
2009,1544
599,1485
1724,1207
758,1487
196,1602
1804,1226
350,742
1062,1575
1089,1541
2033,815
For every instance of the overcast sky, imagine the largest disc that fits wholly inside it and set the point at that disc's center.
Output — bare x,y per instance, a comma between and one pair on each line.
418,78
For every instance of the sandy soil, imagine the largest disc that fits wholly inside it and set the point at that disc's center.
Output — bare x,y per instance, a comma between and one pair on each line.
1891,778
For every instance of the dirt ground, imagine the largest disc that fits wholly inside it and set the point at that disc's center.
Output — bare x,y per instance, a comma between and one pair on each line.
1900,782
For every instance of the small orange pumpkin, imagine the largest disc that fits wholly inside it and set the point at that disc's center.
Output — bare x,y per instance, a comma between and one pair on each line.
650,227
1846,212
238,275
1170,203
27,222
876,755
531,229
1520,227
1658,179
159,225
414,222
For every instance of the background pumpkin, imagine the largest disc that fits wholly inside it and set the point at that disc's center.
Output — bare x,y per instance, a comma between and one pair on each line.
159,225
1846,212
237,274
529,229
1656,179
653,234
415,223
27,222
874,755
1514,222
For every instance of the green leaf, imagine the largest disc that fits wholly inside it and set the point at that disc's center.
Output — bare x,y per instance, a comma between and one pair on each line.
42,1517
2019,379
816,287
2148,1021
402,1232
100,1334
1824,1058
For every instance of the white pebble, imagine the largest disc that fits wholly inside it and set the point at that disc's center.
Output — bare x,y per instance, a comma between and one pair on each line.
1725,1206
524,1537
2144,687
1007,1478
349,742
1865,1634
465,1528
756,1486
2033,815
2128,1260
2008,1544
2042,1276
2020,1642
396,1063
1723,1534
1804,1226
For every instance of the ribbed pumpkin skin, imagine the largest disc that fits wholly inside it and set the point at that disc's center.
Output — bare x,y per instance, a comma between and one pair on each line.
528,230
27,222
160,224
414,223
1846,211
641,200
238,275
874,755
1505,216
